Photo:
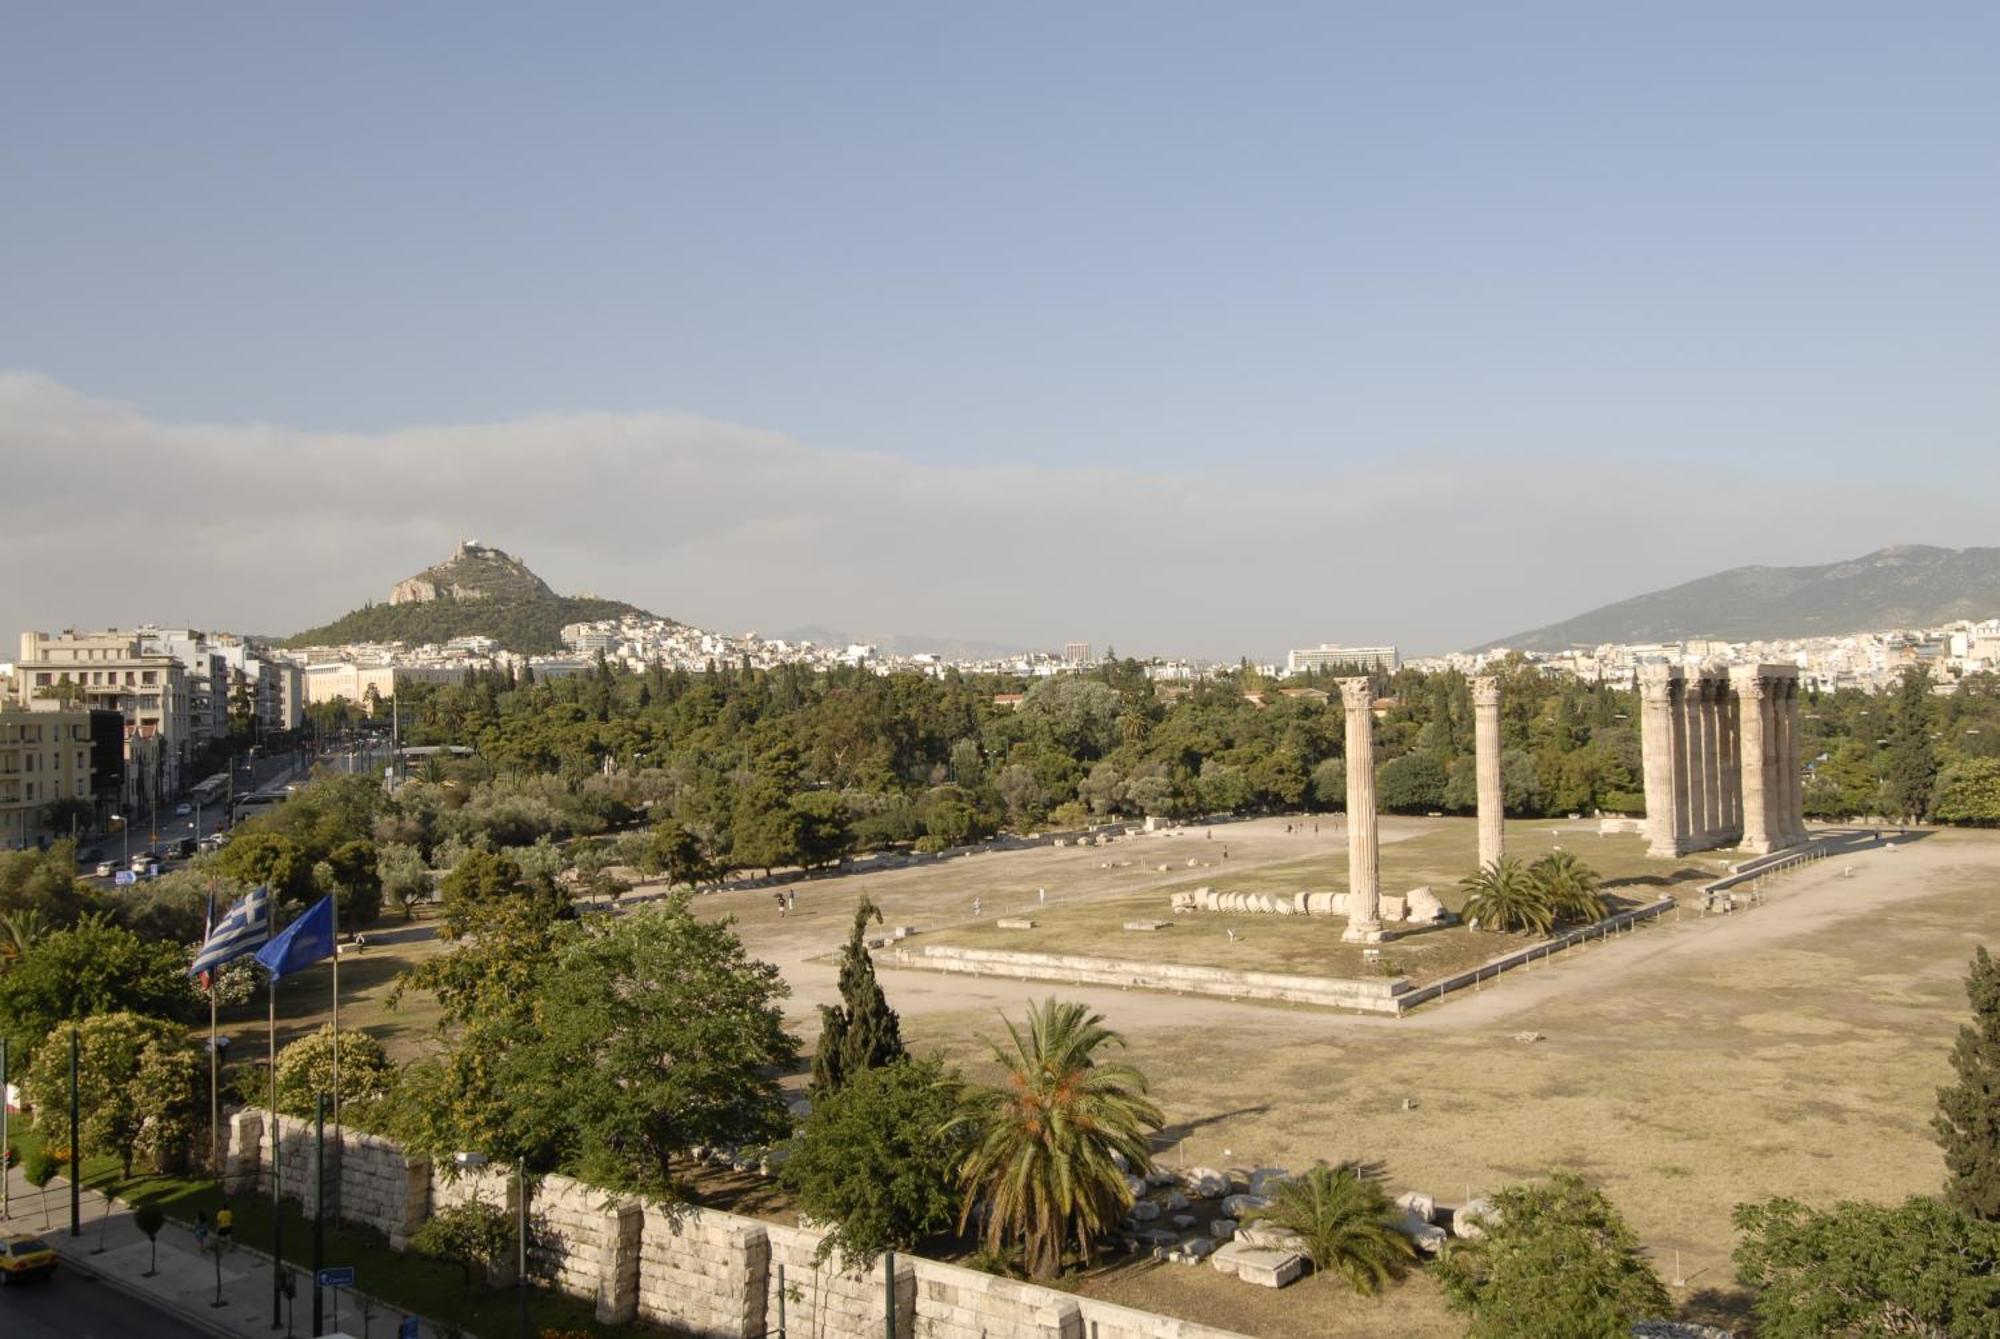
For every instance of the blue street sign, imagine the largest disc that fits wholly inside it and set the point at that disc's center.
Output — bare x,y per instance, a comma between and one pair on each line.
124,878
337,1276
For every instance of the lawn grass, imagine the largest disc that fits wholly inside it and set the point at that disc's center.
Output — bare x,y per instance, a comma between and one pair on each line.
405,1282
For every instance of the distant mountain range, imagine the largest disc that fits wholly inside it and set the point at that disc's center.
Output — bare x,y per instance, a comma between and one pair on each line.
952,648
477,592
1906,586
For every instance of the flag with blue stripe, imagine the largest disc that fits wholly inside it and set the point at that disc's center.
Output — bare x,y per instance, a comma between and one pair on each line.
242,931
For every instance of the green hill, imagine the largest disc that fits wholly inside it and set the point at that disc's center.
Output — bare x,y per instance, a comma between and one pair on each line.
477,592
1909,586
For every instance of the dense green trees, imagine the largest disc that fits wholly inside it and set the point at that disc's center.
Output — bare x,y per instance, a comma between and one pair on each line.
1554,1259
654,1033
1920,1268
134,1074
94,967
878,1158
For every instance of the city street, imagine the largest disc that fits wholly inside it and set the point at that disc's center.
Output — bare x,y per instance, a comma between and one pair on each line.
70,1306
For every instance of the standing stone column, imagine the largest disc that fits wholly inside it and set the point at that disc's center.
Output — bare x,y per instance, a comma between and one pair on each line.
1788,762
1658,692
1729,760
1715,777
1753,691
1694,713
1486,767
1364,887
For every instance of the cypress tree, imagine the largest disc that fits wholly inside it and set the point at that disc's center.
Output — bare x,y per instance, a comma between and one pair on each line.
1909,761
861,1032
1968,1120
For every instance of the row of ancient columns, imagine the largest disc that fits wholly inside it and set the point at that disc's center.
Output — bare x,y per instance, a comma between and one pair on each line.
1721,758
1357,697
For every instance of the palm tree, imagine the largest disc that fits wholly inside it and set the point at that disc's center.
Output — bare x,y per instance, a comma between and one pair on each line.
1045,1159
1505,896
19,932
1570,887
1347,1223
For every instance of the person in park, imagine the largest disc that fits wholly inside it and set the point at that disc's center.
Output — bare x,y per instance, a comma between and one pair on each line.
225,1223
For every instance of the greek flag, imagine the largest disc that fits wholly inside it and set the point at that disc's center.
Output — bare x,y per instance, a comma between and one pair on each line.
242,931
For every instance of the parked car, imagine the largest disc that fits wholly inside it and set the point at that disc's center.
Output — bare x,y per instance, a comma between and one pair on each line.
24,1257
183,810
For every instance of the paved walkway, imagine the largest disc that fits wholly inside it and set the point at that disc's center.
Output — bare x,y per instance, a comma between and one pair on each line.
185,1282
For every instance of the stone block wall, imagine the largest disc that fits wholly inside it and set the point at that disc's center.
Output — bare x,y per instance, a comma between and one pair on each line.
955,1303
585,1242
703,1272
381,1188
833,1299
1368,994
695,1271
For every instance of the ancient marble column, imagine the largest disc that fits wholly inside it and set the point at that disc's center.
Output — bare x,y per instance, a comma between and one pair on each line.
1789,770
1694,713
1486,766
1753,691
1659,687
1364,887
1715,775
1729,759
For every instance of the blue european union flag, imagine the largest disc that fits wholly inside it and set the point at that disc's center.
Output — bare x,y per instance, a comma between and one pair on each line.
304,942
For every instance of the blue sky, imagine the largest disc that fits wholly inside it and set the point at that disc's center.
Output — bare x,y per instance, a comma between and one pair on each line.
1207,242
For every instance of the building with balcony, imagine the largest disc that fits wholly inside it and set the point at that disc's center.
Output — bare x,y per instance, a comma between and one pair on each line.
45,756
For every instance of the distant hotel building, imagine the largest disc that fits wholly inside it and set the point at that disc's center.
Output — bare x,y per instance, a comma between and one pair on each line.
1328,656
1076,653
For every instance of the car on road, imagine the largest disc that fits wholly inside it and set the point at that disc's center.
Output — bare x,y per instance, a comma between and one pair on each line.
183,810
185,847
105,869
24,1257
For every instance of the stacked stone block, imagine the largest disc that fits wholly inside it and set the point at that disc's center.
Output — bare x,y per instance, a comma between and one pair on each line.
833,1299
960,1303
703,1272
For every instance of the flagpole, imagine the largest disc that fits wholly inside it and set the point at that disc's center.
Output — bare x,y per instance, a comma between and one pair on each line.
336,1013
214,1094
338,1143
277,1207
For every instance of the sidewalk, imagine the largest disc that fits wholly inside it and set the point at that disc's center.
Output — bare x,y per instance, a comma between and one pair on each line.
185,1285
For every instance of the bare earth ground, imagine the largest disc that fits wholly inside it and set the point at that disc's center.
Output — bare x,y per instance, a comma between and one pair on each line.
1790,1049
1701,1061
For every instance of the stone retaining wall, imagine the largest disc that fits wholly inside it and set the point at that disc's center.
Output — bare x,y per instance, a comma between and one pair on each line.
1371,995
695,1271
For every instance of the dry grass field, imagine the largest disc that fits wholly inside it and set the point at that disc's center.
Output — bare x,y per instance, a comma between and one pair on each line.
1791,1049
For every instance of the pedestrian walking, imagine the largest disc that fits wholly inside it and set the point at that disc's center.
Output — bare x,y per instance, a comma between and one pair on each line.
781,906
225,1223
792,900
975,907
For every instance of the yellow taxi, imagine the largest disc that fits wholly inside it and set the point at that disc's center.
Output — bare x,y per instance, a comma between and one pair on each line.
24,1257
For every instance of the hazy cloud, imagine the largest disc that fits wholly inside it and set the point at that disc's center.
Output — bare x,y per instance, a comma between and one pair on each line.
114,518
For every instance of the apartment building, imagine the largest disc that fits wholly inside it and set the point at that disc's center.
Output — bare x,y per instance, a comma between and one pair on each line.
45,756
111,670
